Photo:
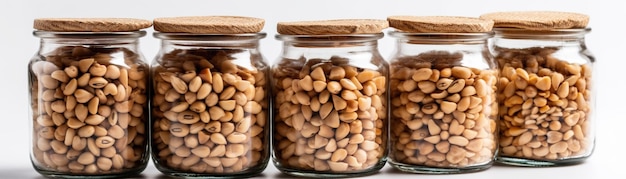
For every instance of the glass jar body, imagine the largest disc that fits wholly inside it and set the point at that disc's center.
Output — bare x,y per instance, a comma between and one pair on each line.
88,105
209,107
330,106
546,97
443,96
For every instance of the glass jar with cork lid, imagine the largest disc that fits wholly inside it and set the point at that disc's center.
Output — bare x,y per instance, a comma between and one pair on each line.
443,95
210,97
546,92
330,105
89,98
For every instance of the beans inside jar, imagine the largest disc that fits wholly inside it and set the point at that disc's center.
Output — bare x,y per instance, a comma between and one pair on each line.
443,114
329,115
545,105
88,109
210,112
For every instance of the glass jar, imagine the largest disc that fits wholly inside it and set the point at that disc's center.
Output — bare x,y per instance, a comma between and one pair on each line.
209,105
443,98
88,104
546,96
330,105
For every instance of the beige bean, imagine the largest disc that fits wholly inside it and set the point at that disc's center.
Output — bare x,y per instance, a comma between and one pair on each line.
456,154
74,165
83,80
338,166
525,138
82,96
237,137
118,161
218,138
558,147
433,128
422,74
71,71
86,131
218,83
201,151
318,74
456,86
74,123
104,163
98,82
116,132
448,107
97,70
461,72
179,85
86,158
179,130
235,150
60,76
105,142
57,146
334,87
48,82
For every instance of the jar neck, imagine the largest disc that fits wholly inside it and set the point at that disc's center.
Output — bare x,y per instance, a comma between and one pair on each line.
50,41
327,46
410,44
519,38
404,47
564,43
171,41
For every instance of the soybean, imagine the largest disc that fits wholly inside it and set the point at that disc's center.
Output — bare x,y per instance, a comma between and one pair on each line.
437,123
76,102
330,115
212,119
553,120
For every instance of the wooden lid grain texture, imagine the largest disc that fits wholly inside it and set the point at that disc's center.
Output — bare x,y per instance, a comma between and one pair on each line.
90,24
209,24
331,27
538,20
440,24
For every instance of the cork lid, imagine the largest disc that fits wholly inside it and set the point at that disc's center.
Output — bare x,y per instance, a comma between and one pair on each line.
90,24
538,20
439,24
209,24
331,27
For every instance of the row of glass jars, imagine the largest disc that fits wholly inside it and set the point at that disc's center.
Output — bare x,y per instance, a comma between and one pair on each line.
338,108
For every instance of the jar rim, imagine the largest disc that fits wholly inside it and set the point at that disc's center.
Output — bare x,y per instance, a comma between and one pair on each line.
208,37
330,37
516,33
88,35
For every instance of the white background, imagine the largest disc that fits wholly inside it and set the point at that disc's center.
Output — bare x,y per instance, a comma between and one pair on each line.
607,42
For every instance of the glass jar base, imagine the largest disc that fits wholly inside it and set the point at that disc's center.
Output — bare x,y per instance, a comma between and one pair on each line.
538,163
435,170
316,174
56,174
198,175
251,172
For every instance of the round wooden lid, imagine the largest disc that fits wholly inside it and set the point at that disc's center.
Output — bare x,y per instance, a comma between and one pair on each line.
209,24
538,20
330,27
439,24
90,24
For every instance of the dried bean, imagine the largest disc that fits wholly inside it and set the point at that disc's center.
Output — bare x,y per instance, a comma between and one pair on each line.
210,120
331,108
438,123
553,113
80,86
